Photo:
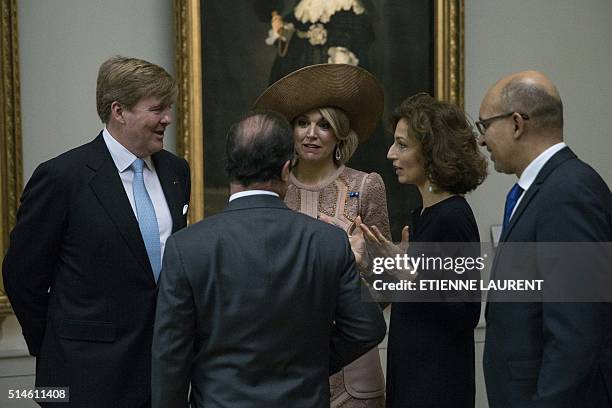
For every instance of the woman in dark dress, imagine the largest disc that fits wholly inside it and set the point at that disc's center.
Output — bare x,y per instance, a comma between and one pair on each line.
430,355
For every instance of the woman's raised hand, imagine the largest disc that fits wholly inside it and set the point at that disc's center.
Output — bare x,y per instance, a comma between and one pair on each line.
379,245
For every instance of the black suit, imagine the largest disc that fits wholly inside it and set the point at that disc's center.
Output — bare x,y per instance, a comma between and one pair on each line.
79,279
257,306
551,354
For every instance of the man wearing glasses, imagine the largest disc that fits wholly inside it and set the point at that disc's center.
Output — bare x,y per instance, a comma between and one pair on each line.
545,353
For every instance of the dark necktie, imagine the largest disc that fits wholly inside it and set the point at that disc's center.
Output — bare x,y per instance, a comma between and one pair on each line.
511,199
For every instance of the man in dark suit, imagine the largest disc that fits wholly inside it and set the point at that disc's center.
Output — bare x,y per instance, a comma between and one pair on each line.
550,353
258,305
84,257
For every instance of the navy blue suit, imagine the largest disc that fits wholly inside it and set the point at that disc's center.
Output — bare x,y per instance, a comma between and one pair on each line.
552,354
79,278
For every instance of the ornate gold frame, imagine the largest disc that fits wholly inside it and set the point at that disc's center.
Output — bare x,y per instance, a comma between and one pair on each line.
10,131
449,39
449,80
189,140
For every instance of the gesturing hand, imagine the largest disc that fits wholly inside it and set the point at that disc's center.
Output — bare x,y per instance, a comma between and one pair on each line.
358,244
356,239
379,245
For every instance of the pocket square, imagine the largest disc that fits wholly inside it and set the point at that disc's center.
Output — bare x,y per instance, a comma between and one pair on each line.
185,208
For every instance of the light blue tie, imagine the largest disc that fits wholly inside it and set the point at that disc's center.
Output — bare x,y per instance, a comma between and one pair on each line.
147,221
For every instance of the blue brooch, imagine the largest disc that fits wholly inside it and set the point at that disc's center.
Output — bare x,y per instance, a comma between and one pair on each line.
353,193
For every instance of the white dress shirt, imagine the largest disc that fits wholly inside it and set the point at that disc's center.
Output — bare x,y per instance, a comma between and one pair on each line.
123,159
251,193
533,169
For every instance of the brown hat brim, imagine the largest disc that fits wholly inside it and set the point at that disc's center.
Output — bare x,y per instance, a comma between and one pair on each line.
350,88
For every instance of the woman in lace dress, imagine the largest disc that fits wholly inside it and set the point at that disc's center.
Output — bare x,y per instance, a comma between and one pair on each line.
334,107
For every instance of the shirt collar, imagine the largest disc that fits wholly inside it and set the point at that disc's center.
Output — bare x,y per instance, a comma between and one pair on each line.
251,193
122,157
531,171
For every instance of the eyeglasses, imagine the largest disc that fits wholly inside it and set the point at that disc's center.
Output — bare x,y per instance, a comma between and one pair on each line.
483,124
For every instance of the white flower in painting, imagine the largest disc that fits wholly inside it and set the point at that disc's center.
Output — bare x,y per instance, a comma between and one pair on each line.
341,55
317,34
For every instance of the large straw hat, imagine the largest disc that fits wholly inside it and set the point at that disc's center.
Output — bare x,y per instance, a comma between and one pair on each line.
350,88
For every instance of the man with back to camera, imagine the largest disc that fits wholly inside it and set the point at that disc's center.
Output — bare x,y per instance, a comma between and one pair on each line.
85,255
547,353
258,304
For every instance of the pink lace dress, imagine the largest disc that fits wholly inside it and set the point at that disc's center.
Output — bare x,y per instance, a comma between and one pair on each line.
343,196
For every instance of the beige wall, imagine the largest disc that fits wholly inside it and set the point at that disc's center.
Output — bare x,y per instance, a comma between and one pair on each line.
64,41
62,44
569,40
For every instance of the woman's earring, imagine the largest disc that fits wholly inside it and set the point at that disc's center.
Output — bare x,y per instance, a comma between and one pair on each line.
338,155
430,188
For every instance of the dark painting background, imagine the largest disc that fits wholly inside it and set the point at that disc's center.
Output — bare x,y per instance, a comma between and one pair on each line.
236,66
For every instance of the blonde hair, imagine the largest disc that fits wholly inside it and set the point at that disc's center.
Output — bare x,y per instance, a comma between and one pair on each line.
347,138
128,80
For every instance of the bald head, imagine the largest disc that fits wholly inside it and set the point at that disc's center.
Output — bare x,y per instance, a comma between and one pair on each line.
258,147
532,93
520,117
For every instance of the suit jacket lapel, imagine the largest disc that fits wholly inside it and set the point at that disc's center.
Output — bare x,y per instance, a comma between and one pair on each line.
558,158
554,162
171,186
108,188
529,194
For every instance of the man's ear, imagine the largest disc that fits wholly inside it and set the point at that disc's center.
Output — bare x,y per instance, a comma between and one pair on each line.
117,112
519,125
285,171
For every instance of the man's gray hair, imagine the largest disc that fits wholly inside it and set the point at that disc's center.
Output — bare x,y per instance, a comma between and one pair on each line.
545,110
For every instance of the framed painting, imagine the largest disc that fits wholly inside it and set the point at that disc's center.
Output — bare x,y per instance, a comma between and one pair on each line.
11,168
224,62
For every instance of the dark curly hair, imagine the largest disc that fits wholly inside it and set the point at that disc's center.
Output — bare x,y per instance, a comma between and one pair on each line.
451,157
